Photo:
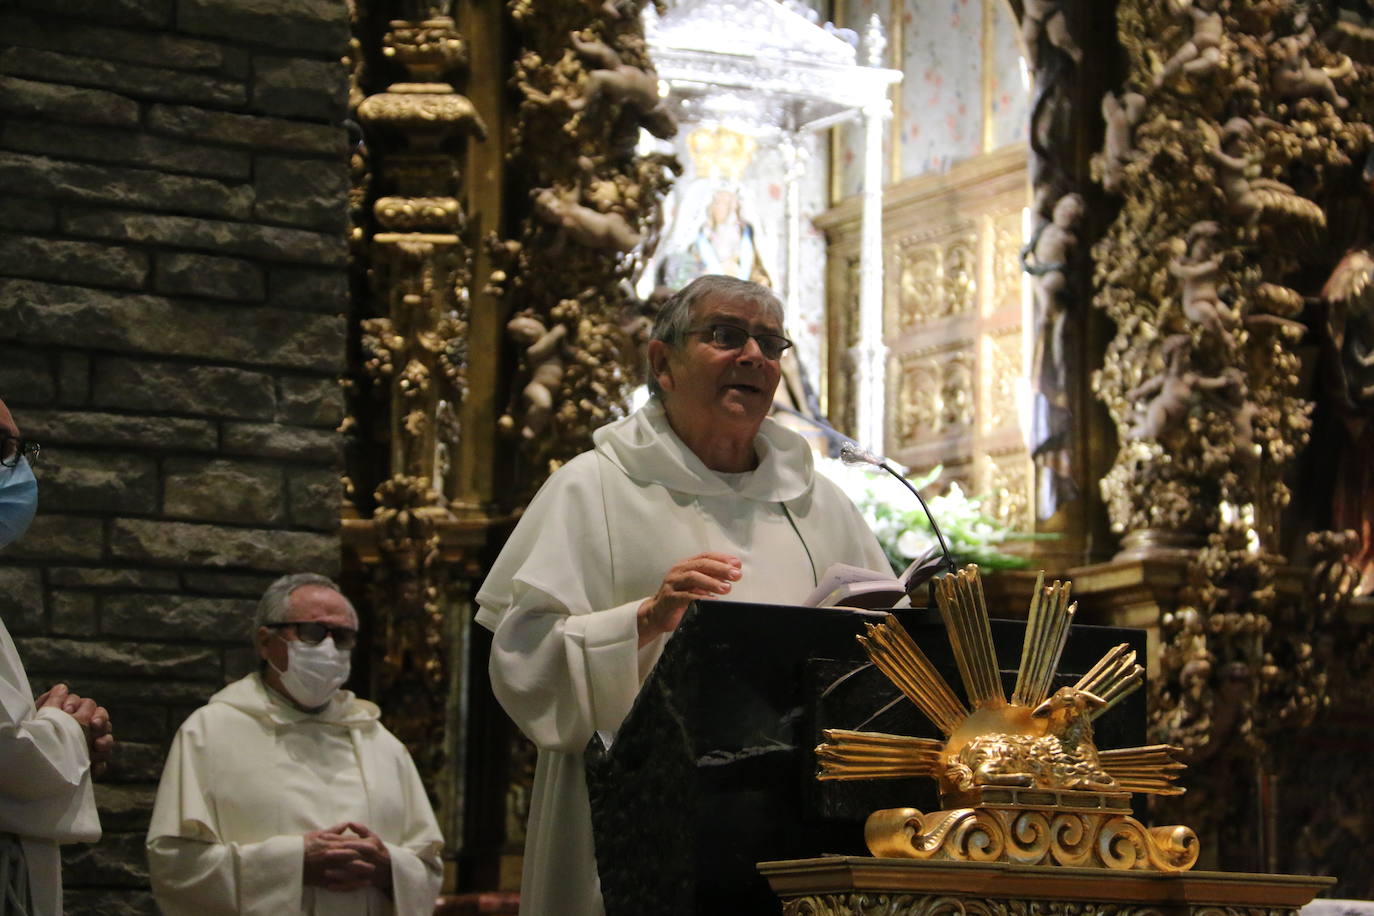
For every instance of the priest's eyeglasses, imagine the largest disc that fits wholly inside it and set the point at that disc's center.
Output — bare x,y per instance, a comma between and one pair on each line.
733,337
12,448
312,633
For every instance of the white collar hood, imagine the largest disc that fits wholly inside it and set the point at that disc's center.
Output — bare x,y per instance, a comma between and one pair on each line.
644,446
252,696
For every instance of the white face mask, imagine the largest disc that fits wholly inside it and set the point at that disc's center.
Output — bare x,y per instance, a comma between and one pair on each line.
18,500
313,673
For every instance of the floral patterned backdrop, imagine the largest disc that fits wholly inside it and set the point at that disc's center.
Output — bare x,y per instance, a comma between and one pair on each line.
940,121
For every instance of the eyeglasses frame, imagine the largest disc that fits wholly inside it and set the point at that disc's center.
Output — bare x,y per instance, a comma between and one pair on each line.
330,630
711,328
24,448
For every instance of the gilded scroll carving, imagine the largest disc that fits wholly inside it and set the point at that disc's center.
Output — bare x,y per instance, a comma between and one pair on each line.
920,286
935,393
937,280
1005,479
1006,261
890,904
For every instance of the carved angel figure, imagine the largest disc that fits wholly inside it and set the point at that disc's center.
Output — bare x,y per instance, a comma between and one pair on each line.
1296,78
1171,393
1201,53
1199,269
617,82
1118,150
583,225
544,362
1248,194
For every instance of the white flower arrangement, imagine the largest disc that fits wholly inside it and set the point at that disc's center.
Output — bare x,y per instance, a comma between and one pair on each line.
903,529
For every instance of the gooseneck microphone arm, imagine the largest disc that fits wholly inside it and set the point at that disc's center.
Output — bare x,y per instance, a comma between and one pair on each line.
853,454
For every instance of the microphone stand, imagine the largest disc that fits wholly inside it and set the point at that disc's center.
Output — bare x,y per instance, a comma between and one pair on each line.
853,454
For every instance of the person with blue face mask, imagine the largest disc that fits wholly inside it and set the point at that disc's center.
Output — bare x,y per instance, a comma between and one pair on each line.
285,794
50,747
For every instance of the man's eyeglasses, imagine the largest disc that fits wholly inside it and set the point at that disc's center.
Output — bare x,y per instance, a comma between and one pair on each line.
12,448
312,633
732,337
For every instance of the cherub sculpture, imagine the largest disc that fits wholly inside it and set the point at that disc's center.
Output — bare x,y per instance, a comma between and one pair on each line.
617,82
1048,254
583,225
1248,195
561,77
1199,269
544,362
1296,78
1201,53
1121,115
1171,394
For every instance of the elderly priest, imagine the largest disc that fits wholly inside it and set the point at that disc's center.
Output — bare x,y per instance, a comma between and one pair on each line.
697,495
284,794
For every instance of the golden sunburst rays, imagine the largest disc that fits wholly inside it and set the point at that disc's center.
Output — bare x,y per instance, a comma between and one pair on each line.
965,613
1114,676
1148,770
896,655
870,755
1047,629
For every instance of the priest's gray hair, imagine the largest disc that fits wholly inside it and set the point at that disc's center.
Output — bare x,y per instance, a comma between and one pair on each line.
275,602
675,317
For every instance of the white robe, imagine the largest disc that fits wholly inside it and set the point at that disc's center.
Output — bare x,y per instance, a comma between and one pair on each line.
45,781
249,775
594,543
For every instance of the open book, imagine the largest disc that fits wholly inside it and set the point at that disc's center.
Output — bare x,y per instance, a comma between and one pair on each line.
853,586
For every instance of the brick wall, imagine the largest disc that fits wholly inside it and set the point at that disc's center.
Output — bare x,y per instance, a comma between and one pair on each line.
172,297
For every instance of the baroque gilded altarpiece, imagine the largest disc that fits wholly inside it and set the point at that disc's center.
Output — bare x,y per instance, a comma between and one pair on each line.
1225,181
498,205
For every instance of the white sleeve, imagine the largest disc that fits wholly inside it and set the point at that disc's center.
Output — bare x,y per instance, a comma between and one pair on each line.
565,658
198,878
417,871
194,872
45,766
563,676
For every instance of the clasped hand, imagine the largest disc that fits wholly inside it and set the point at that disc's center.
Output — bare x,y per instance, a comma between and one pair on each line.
337,861
706,575
93,719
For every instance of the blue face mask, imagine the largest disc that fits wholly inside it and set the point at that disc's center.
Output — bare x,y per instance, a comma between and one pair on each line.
18,500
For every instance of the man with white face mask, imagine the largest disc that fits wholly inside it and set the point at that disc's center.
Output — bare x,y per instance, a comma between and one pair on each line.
284,794
50,747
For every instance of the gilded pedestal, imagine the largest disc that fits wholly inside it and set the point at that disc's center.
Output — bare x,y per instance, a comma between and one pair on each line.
857,886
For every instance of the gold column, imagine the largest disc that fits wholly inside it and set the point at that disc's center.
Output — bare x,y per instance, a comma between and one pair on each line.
416,534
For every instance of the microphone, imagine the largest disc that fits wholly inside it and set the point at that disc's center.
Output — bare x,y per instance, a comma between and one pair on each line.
853,454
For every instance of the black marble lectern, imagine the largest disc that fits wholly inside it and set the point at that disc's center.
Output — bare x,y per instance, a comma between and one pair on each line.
714,768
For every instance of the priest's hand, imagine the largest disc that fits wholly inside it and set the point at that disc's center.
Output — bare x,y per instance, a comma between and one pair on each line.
330,862
373,851
93,719
706,575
